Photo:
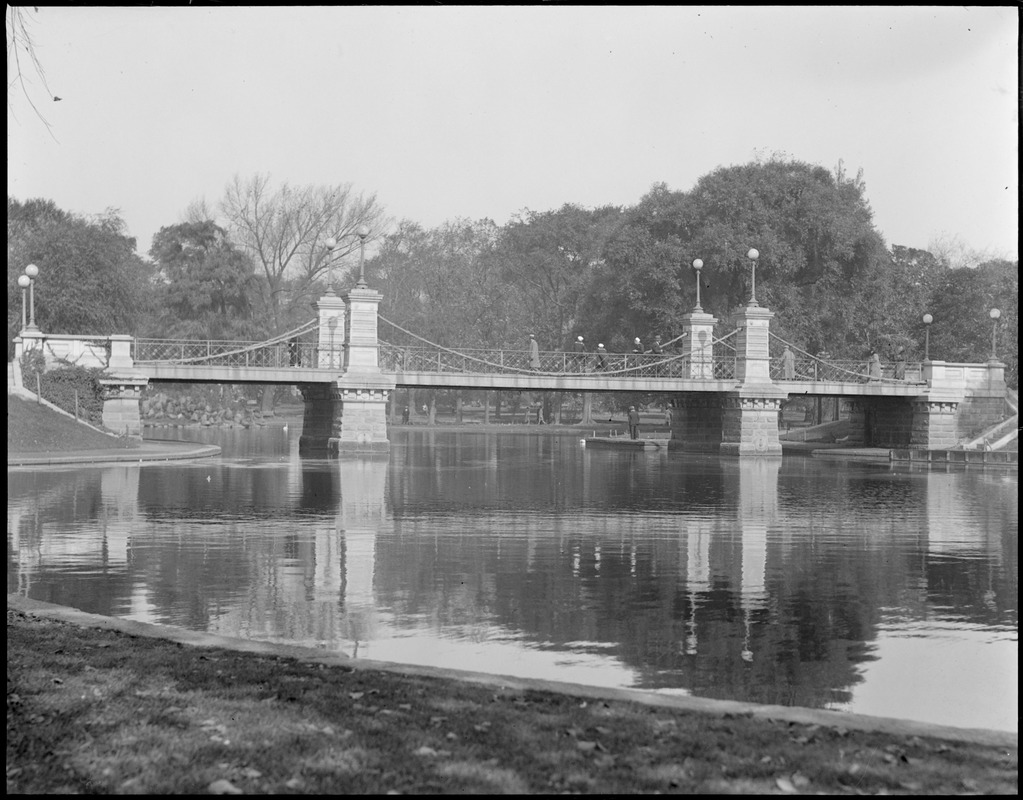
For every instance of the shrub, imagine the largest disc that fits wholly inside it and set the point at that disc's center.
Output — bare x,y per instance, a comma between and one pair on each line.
74,389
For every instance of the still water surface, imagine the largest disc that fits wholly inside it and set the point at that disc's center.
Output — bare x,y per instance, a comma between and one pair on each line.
851,587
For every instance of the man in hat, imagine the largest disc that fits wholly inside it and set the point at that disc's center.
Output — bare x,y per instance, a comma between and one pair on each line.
579,348
633,423
601,356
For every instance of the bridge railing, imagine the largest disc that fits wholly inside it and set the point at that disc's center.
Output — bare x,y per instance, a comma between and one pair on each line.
822,368
402,358
229,353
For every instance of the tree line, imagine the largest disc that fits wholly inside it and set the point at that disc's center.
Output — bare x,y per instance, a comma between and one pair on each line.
251,265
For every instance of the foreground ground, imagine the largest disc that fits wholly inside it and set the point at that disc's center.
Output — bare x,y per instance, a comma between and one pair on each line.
100,711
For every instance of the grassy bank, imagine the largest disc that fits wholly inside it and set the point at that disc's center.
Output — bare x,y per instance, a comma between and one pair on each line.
34,428
100,711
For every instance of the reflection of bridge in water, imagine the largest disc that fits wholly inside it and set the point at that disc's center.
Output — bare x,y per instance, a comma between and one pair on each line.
711,596
728,390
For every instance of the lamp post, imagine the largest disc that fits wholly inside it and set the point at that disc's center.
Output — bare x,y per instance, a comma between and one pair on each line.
928,319
24,281
994,313
753,255
698,265
31,272
362,233
331,243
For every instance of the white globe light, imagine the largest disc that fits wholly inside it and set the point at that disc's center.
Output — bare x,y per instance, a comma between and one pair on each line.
24,281
994,313
928,319
331,243
753,254
698,263
31,270
363,232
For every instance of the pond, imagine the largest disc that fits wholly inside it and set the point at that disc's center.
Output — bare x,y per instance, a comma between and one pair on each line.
795,581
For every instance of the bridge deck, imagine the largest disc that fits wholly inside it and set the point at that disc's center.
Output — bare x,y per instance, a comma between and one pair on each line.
583,382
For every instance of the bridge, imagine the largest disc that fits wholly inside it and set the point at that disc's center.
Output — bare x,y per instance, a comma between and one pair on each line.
727,388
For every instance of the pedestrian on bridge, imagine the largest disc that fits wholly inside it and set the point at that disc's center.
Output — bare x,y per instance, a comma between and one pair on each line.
788,364
900,364
601,357
534,353
874,366
657,348
637,345
579,348
633,423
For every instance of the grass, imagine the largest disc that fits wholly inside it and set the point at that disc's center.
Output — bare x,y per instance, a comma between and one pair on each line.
34,428
100,711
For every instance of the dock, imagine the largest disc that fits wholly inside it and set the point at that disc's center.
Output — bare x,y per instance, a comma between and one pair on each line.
625,443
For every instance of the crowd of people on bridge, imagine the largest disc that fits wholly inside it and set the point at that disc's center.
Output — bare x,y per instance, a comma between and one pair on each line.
581,358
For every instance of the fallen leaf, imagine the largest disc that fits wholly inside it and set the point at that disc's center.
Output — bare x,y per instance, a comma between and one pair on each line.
223,787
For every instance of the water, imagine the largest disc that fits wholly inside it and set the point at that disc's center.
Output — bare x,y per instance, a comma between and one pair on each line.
797,581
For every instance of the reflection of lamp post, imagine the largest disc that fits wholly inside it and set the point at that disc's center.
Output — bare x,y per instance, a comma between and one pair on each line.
698,265
31,271
332,324
994,313
753,255
928,319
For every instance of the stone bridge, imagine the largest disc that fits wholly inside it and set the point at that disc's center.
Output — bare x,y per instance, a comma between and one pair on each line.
727,392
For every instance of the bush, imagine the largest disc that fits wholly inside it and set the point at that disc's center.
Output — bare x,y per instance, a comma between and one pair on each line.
74,389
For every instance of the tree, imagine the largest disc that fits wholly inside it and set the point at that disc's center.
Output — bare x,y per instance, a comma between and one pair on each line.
813,230
22,58
91,281
962,327
283,231
207,284
549,258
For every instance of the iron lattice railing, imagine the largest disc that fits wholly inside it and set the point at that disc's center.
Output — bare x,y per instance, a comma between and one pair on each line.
399,358
826,369
229,353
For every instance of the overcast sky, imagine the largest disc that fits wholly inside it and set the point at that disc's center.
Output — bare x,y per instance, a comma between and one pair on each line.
473,112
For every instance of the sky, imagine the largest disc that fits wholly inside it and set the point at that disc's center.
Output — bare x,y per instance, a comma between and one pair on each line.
479,112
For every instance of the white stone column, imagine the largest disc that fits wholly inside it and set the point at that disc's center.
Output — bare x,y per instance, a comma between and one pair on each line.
697,346
361,343
331,332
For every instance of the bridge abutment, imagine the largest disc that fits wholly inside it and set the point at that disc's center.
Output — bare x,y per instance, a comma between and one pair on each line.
122,402
749,418
348,416
696,423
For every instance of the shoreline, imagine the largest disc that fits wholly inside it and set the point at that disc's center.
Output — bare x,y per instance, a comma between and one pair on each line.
689,703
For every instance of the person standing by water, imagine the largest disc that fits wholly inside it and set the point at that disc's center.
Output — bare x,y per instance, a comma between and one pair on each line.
534,353
633,423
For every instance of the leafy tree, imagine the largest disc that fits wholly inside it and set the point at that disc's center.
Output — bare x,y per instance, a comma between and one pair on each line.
283,231
812,228
91,281
549,259
208,284
962,327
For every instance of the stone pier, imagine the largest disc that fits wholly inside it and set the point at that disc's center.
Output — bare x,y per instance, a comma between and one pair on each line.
749,420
